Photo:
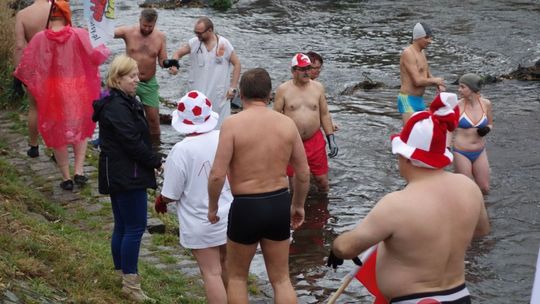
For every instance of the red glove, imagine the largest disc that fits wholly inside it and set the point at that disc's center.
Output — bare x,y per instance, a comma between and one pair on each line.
160,206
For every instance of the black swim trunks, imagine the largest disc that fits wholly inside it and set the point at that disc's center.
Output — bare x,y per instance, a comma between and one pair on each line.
456,295
253,217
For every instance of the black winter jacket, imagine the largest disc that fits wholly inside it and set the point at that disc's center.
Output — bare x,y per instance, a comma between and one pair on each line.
126,161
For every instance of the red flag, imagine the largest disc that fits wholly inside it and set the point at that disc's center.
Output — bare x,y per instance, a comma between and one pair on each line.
367,276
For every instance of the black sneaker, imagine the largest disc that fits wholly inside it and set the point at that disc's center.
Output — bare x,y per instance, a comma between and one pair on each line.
80,180
67,185
33,152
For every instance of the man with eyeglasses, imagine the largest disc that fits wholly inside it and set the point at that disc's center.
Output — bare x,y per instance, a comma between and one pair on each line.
314,73
316,65
414,73
211,58
304,101
145,43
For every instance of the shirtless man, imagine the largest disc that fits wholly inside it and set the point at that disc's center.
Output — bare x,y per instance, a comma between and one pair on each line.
414,73
304,101
424,230
254,148
28,22
145,44
315,72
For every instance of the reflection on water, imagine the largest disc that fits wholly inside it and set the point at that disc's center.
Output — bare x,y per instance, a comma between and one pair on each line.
367,37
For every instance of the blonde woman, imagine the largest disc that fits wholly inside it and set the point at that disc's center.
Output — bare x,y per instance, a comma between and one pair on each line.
126,168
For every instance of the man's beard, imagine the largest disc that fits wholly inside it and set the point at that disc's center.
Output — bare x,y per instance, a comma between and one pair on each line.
146,33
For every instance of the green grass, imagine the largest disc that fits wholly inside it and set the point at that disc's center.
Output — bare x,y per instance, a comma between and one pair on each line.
68,256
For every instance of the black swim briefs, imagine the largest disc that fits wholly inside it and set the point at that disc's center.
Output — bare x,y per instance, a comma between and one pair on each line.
253,217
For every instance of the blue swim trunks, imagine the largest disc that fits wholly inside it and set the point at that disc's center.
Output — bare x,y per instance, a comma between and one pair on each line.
410,104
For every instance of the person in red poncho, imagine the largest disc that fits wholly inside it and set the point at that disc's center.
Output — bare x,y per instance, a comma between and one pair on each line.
60,69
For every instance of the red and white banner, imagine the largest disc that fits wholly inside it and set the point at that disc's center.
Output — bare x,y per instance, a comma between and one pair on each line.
99,15
367,274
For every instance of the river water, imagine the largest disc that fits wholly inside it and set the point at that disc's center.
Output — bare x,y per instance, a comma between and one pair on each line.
359,38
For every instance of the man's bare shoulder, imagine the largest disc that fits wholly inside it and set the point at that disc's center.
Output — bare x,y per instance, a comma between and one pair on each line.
30,12
392,200
317,85
407,52
159,34
284,85
127,30
461,181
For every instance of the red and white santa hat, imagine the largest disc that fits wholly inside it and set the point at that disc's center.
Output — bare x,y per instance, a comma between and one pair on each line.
423,138
194,114
300,60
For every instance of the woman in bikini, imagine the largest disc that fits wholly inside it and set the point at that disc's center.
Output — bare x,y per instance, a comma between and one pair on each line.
475,122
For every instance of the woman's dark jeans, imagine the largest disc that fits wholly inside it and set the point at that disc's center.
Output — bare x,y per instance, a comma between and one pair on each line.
130,215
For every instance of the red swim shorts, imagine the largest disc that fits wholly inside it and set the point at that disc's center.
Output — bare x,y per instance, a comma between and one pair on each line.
315,148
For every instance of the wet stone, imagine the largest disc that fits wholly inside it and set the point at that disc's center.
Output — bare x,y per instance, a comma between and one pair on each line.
187,264
151,259
143,252
104,200
38,216
10,296
89,169
155,225
65,196
161,266
189,271
92,208
18,162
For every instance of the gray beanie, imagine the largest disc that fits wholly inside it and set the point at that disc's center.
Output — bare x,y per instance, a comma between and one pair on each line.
421,30
473,81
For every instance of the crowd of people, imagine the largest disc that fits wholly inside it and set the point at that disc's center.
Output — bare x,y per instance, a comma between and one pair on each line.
241,181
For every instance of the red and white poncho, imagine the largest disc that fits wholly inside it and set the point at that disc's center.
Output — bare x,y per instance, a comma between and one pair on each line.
60,69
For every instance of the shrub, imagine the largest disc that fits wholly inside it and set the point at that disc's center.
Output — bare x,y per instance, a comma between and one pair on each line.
7,36
221,4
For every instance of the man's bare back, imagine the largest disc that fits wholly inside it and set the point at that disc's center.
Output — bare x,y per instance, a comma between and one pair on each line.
144,49
422,231
28,22
302,104
438,217
425,230
248,171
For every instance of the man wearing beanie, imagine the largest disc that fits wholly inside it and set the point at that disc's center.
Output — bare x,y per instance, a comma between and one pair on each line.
423,230
414,73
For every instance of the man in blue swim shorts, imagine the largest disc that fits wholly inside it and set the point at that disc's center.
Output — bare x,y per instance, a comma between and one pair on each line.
414,73
262,211
422,232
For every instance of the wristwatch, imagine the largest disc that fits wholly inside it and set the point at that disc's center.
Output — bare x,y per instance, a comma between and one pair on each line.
234,90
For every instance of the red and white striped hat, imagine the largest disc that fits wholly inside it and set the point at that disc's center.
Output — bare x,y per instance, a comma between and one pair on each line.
423,138
194,114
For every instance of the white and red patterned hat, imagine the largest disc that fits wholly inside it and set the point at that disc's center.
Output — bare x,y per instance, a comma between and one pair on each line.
423,138
194,114
300,60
